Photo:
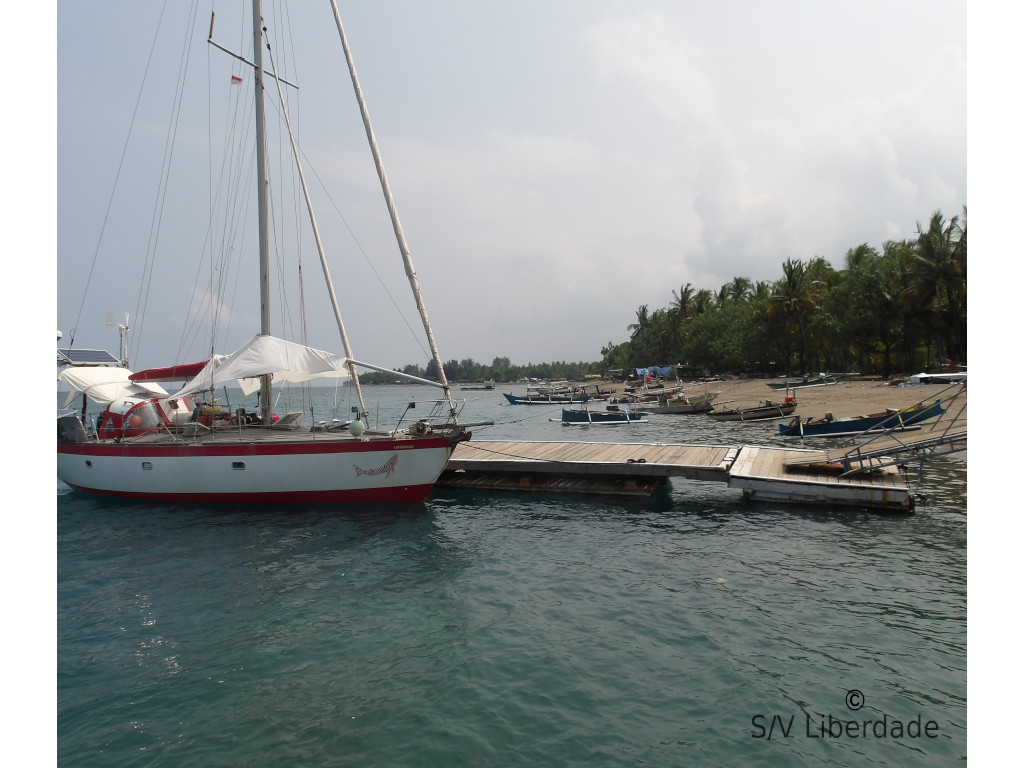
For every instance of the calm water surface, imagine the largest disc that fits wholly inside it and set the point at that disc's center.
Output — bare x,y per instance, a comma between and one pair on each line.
691,628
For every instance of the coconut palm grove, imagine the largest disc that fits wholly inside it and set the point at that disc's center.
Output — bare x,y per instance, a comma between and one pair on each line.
898,309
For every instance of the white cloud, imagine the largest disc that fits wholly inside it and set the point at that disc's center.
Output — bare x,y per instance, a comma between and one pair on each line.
550,185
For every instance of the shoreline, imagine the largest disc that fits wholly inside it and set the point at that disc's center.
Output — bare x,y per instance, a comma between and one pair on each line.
855,397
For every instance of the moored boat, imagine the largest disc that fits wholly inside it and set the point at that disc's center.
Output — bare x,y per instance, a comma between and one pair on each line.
611,416
684,404
536,398
154,446
487,385
821,380
892,419
766,409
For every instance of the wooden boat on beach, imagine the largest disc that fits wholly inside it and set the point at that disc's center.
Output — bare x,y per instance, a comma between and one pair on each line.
684,404
892,419
766,409
821,380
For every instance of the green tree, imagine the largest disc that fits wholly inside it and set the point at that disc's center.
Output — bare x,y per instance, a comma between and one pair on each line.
942,274
793,299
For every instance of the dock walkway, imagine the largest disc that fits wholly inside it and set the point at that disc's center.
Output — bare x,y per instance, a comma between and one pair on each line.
762,473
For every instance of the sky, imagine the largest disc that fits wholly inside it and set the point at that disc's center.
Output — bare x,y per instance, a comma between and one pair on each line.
555,165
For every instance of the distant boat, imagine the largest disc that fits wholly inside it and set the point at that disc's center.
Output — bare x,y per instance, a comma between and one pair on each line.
489,384
683,404
821,380
892,419
611,416
938,378
533,397
765,410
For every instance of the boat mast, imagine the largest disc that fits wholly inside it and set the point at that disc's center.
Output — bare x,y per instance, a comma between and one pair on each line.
410,272
261,196
353,374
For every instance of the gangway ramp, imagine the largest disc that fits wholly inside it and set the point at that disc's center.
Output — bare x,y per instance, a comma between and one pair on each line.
888,450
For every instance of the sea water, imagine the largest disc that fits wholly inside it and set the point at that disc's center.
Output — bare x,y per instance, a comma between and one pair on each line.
499,629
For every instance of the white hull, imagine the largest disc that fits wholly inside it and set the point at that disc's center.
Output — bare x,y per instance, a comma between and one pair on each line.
272,471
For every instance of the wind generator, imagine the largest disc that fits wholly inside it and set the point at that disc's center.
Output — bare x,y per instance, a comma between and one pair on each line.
122,328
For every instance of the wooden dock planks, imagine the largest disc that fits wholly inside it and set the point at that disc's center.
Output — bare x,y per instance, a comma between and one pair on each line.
762,473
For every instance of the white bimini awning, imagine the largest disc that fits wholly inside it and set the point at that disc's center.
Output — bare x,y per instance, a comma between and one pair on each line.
105,385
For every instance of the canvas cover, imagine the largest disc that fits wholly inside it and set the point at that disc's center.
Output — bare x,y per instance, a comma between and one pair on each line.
283,360
105,385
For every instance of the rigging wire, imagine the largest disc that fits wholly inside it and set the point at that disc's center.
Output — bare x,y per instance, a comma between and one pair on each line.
209,310
359,246
165,173
117,175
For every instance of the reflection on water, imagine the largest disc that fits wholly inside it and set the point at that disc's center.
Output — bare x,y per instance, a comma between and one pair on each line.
511,629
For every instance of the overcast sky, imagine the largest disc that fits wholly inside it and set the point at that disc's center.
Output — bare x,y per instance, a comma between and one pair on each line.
555,164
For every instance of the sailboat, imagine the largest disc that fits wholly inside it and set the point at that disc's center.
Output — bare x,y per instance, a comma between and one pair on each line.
151,444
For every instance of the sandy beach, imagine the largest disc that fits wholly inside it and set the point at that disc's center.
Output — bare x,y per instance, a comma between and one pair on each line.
857,397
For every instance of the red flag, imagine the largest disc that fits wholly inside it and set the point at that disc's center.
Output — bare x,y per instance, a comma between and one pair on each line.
235,80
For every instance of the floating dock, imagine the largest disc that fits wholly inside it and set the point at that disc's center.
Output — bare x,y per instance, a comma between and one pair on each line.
842,477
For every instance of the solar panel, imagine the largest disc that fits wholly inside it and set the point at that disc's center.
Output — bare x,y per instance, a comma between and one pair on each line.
85,357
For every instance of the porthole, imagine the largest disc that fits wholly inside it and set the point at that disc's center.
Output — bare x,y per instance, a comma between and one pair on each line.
238,465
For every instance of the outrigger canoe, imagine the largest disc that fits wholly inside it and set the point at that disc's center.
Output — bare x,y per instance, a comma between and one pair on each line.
891,419
767,409
610,416
821,380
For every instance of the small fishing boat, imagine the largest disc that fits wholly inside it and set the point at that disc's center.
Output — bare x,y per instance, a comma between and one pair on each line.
766,409
532,397
684,404
613,415
894,419
821,380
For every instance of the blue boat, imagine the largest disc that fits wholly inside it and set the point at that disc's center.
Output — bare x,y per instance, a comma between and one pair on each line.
897,420
534,398
611,416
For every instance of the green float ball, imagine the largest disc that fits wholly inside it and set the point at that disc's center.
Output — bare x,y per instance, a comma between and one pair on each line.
356,428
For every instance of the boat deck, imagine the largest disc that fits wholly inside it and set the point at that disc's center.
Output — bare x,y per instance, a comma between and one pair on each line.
762,473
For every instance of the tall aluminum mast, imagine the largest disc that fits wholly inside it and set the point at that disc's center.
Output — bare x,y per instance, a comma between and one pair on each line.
262,183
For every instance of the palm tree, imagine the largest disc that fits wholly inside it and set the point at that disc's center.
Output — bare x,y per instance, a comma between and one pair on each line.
703,300
942,271
739,289
681,301
794,296
643,322
892,293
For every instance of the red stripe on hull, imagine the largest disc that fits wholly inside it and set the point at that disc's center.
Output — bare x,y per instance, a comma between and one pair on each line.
356,496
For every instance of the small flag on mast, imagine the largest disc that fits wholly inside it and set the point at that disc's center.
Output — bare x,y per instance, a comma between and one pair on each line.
235,80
